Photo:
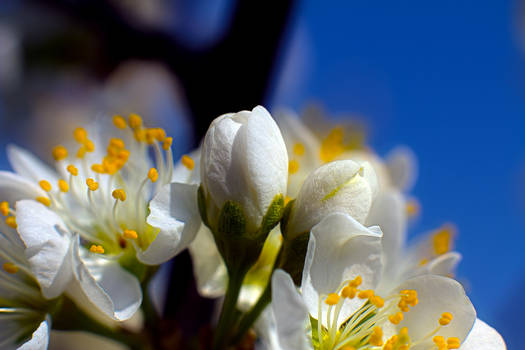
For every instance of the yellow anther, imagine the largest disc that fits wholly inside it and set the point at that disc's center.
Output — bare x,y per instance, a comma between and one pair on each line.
298,149
332,299
332,145
445,319
453,343
376,338
98,168
92,184
10,268
59,152
403,337
423,262
160,134
140,135
45,185
63,185
96,249
153,175
348,292
166,144
377,301
89,145
412,207
365,294
119,194
287,200
11,221
442,240
135,121
117,143
188,162
130,234
356,282
348,347
72,169
396,318
4,208
439,340
44,200
80,135
293,166
81,152
119,122
150,136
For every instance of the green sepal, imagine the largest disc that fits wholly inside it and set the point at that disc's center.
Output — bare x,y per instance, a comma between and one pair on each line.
315,333
273,215
286,216
293,255
201,201
232,222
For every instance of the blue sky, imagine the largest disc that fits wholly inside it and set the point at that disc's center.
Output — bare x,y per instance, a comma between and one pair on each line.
447,79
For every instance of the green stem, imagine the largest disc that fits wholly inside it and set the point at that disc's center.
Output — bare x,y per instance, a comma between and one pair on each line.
249,318
71,318
229,313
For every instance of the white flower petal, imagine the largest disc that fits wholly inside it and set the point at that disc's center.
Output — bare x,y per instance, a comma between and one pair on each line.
444,265
184,175
208,265
112,289
29,166
340,249
266,329
290,312
174,211
14,187
48,246
483,337
402,166
436,295
40,338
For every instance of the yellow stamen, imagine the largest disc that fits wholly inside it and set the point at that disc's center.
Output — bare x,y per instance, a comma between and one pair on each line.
376,338
119,122
96,249
130,234
332,145
365,294
293,166
445,319
188,162
412,207
63,185
423,262
298,149
45,185
89,145
59,153
377,301
119,194
4,208
44,200
135,121
80,135
287,199
348,347
453,343
396,318
72,169
153,175
442,240
356,282
92,184
348,292
81,152
166,144
98,168
10,268
332,299
11,221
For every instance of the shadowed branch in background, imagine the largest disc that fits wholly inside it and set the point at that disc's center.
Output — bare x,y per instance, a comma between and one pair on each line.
230,75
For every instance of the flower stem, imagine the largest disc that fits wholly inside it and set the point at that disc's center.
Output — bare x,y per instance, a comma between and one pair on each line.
251,316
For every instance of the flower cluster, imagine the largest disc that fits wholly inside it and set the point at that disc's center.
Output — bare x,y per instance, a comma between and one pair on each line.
300,230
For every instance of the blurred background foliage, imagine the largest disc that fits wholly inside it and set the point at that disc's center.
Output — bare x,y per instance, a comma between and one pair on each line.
446,78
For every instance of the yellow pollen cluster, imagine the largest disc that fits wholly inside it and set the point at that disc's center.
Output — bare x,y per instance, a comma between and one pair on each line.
153,175
396,318
119,194
59,153
96,249
72,169
116,157
11,221
63,185
442,240
332,299
44,200
130,234
332,145
350,290
293,166
408,298
376,338
348,347
10,268
398,341
166,144
450,343
445,319
45,185
92,184
135,121
188,162
298,149
86,145
4,208
119,122
412,207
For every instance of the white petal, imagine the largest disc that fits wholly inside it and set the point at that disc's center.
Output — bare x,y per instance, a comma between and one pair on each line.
291,315
29,166
48,246
266,329
436,295
184,175
61,340
14,187
402,166
340,249
112,289
174,211
444,265
208,265
483,337
40,338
